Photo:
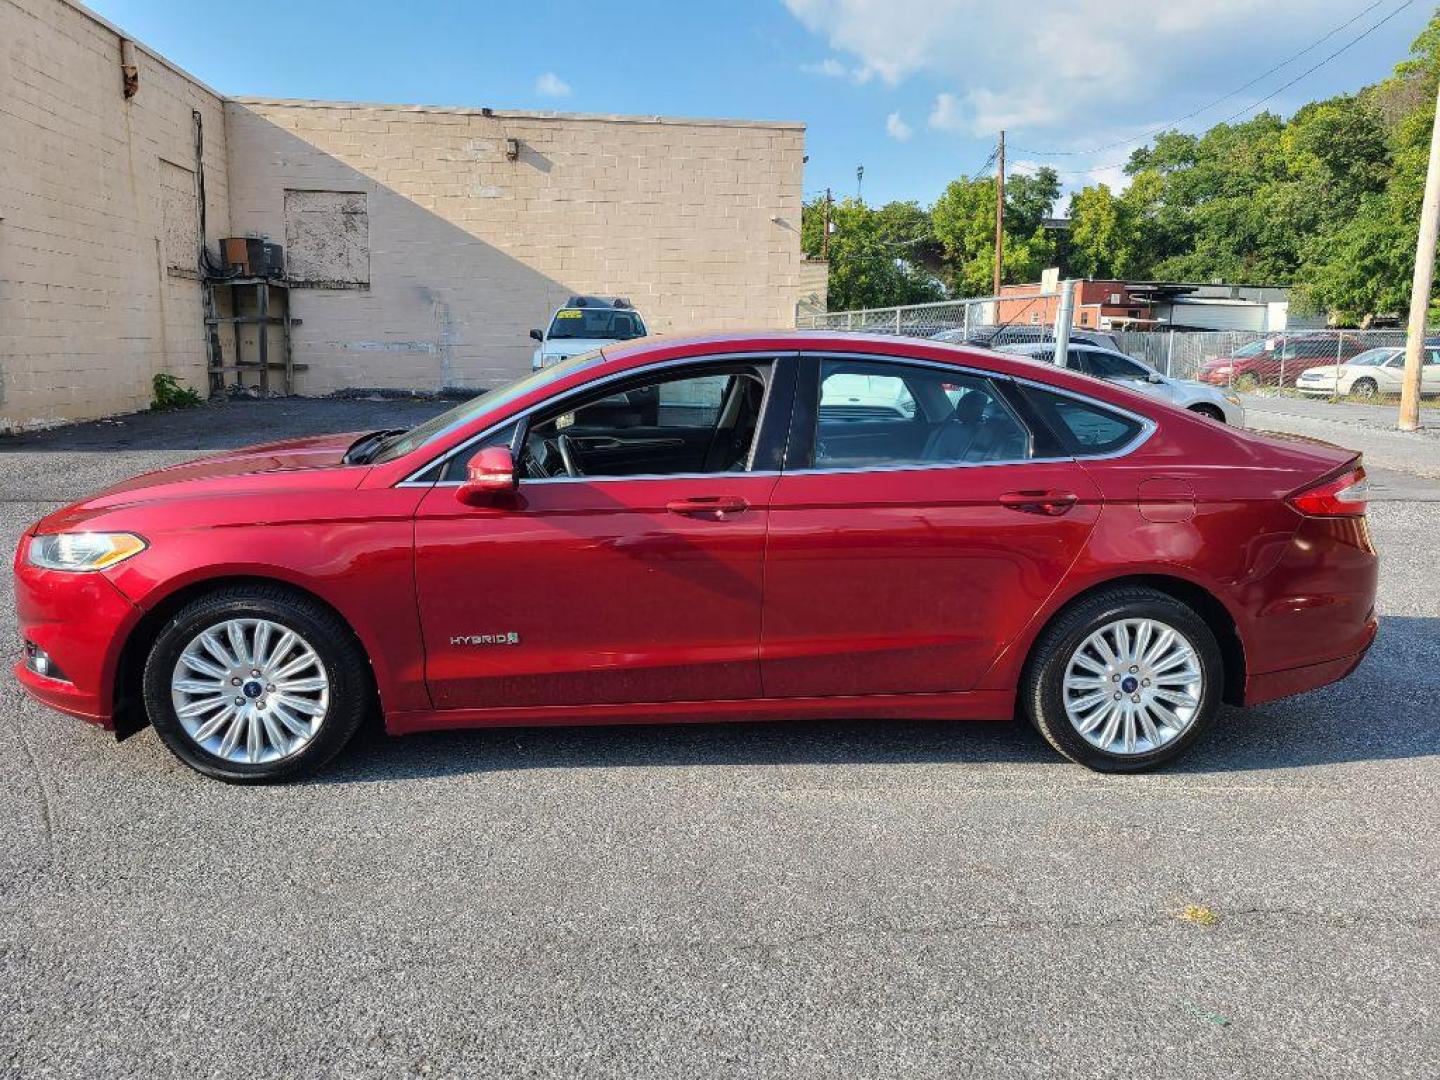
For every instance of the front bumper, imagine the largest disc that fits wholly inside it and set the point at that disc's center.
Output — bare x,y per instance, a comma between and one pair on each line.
80,620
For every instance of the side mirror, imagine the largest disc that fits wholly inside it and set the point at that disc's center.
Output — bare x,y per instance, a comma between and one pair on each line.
1155,377
536,335
491,472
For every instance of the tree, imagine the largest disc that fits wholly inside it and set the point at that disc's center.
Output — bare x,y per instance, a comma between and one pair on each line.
963,219
877,257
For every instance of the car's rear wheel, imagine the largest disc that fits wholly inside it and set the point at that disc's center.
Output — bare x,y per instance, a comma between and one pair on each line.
1126,680
255,684
1364,389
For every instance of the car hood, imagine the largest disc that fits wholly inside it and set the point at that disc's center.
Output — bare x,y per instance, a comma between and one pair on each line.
211,475
564,348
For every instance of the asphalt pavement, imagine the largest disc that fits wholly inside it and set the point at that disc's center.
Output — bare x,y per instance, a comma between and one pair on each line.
860,899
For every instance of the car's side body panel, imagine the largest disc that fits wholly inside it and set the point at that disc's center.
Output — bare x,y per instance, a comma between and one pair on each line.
349,547
910,579
593,591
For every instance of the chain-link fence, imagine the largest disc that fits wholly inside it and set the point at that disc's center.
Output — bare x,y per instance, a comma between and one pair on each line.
1354,364
1027,317
1319,363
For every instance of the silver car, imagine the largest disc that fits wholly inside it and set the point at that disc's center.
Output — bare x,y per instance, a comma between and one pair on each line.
1112,366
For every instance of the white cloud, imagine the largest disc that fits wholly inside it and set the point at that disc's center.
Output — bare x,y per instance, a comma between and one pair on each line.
551,85
897,128
945,114
829,67
834,69
1048,65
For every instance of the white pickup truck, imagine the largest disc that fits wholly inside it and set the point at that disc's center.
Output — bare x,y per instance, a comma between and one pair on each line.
585,323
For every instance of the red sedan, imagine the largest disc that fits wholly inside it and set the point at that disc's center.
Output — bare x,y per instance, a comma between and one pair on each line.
732,527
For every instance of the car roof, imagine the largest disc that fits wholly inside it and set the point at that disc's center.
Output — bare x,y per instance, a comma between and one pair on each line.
596,303
640,353
885,347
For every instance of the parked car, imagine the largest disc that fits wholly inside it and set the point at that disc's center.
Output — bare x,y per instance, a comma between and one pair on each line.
583,325
1279,360
1116,367
993,337
570,549
1372,373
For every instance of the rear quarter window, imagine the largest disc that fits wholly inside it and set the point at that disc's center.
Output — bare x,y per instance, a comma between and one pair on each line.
1087,427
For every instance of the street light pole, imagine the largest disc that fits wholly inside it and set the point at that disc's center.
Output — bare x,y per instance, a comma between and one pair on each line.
1420,284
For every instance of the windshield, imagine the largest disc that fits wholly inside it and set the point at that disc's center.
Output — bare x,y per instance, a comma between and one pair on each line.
605,324
1255,348
1372,358
462,414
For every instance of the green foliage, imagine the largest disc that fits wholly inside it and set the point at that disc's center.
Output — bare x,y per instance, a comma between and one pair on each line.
964,222
1327,201
169,394
878,258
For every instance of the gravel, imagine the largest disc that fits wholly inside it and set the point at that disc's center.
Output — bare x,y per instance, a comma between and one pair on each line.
792,900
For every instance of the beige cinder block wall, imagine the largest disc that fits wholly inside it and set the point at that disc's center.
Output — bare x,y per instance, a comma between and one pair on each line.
98,237
441,254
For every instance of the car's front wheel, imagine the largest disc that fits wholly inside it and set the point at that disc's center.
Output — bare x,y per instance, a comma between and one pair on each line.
1364,389
255,684
1125,680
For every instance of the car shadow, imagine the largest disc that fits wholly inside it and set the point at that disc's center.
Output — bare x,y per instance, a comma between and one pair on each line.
1385,711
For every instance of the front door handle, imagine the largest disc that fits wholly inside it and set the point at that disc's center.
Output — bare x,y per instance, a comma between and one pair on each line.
1049,503
716,507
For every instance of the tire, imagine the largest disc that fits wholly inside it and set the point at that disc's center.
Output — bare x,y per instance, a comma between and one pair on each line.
1364,389
1209,411
303,709
1043,692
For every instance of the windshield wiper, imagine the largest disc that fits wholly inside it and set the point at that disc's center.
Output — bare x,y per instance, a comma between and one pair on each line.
363,448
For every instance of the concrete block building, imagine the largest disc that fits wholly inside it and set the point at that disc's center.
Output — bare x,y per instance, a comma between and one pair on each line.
421,243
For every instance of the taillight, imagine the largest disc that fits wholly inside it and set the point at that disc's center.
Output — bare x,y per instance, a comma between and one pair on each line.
1339,496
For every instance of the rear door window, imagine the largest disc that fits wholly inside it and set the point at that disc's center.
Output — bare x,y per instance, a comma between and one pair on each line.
1090,428
885,415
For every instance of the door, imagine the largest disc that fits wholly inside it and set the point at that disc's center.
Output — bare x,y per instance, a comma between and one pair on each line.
905,562
627,565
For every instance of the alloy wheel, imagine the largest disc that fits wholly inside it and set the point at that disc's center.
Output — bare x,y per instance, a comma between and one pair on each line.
1133,686
250,691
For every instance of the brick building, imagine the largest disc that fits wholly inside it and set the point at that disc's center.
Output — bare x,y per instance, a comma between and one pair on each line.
424,243
1149,305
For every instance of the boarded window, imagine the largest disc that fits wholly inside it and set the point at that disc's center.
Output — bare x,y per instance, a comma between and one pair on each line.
327,238
179,219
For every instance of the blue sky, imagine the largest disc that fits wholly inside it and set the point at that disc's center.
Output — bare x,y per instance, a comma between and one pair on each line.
912,89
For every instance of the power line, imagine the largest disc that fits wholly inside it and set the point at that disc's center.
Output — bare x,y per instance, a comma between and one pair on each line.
1207,107
1261,101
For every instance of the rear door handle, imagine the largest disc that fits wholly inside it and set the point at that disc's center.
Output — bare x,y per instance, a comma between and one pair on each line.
709,506
1049,503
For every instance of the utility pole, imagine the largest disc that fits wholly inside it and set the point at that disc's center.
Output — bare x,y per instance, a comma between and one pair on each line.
1000,213
1420,284
825,239
860,183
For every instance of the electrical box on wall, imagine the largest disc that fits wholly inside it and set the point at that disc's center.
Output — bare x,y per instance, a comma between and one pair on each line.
253,257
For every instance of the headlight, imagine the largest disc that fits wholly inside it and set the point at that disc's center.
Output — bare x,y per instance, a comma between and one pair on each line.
80,552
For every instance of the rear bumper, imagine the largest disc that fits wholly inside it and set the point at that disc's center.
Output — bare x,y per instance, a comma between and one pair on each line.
1278,684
